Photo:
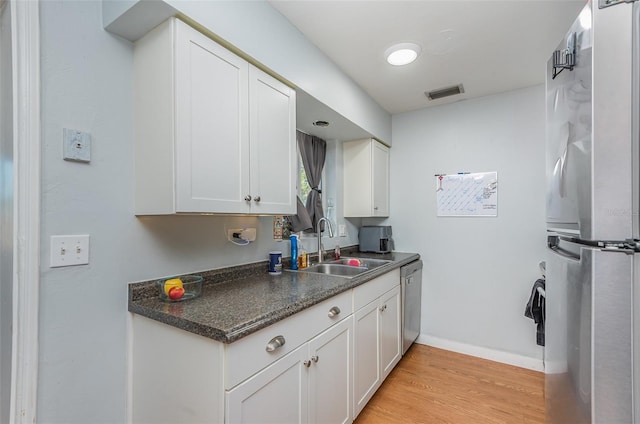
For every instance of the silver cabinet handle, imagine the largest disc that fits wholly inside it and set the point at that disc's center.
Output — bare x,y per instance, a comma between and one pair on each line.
256,199
275,343
335,311
375,208
247,198
307,363
315,358
383,308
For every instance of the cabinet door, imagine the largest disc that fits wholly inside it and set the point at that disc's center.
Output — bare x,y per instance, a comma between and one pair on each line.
273,144
380,180
366,351
277,394
390,331
331,375
212,144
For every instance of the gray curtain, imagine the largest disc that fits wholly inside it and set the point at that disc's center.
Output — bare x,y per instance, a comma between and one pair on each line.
313,151
301,221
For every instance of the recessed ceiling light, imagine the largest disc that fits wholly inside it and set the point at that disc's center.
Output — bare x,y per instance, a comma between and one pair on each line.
321,124
402,53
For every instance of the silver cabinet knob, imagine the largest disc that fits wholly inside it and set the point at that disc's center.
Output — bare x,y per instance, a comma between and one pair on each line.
333,312
307,363
275,343
375,208
256,199
247,198
383,308
315,358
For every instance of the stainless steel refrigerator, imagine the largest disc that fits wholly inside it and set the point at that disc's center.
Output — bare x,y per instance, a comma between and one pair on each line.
593,263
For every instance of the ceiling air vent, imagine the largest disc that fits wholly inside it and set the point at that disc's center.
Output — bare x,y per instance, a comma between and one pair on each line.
444,92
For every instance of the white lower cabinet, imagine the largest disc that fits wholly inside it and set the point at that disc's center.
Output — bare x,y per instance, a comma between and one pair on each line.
331,372
311,384
390,331
277,394
377,344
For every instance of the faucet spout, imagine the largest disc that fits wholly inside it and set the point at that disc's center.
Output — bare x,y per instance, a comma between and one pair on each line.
319,233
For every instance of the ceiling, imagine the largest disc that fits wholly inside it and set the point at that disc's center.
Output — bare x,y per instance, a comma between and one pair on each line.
488,46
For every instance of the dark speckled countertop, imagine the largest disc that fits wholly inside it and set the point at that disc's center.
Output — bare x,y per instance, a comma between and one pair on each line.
238,301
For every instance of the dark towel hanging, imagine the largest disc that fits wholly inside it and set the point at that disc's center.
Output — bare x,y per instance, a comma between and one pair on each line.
535,309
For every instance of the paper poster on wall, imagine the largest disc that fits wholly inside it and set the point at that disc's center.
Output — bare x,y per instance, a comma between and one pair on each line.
467,194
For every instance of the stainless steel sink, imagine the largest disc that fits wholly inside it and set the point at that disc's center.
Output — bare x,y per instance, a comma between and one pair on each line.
365,262
336,269
346,267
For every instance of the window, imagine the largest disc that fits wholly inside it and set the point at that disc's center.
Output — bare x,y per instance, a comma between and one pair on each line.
304,189
303,184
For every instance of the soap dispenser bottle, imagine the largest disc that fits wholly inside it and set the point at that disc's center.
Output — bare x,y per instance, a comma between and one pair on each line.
294,251
302,257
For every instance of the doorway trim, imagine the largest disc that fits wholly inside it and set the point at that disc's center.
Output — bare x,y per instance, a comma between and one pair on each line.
25,27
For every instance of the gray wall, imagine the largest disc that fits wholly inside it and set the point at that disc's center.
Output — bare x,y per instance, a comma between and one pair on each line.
87,85
478,271
6,211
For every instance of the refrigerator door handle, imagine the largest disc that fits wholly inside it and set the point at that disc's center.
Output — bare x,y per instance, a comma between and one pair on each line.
553,243
565,253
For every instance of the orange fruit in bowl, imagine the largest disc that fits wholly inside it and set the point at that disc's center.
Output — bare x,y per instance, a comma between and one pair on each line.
172,283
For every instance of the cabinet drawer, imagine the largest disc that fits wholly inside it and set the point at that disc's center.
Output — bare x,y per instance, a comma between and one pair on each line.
370,291
247,356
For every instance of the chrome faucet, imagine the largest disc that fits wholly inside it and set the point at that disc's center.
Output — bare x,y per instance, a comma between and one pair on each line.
319,233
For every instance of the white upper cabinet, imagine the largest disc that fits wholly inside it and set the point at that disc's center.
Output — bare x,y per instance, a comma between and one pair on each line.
366,178
213,134
272,134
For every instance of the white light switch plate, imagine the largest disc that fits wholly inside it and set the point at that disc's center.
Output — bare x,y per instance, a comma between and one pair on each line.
342,230
69,250
76,145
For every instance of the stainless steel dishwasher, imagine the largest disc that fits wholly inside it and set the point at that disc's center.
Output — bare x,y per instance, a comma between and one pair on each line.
411,291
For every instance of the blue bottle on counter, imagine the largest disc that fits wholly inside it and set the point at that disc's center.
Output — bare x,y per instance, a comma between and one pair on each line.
294,251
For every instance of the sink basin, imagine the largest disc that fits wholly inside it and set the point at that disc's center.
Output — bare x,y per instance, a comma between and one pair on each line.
346,267
363,262
336,269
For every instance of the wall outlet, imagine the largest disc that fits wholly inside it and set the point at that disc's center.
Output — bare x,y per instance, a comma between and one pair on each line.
248,234
342,230
241,234
69,250
231,232
76,145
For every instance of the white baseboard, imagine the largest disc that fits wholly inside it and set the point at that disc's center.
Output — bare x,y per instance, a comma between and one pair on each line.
521,361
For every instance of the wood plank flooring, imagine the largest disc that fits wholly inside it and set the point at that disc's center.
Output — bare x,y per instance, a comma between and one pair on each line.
432,385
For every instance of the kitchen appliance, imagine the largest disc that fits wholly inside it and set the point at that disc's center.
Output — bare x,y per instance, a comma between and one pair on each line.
375,238
593,174
411,295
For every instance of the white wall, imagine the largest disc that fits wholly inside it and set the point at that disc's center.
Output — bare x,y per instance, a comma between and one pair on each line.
478,272
6,211
87,85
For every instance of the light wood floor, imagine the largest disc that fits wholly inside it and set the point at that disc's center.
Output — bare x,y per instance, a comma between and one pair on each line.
432,385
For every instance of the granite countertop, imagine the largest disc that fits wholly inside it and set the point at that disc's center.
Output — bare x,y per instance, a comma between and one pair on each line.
238,301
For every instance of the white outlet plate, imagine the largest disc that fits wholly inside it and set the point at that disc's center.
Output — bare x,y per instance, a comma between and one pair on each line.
248,234
342,230
76,145
69,250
